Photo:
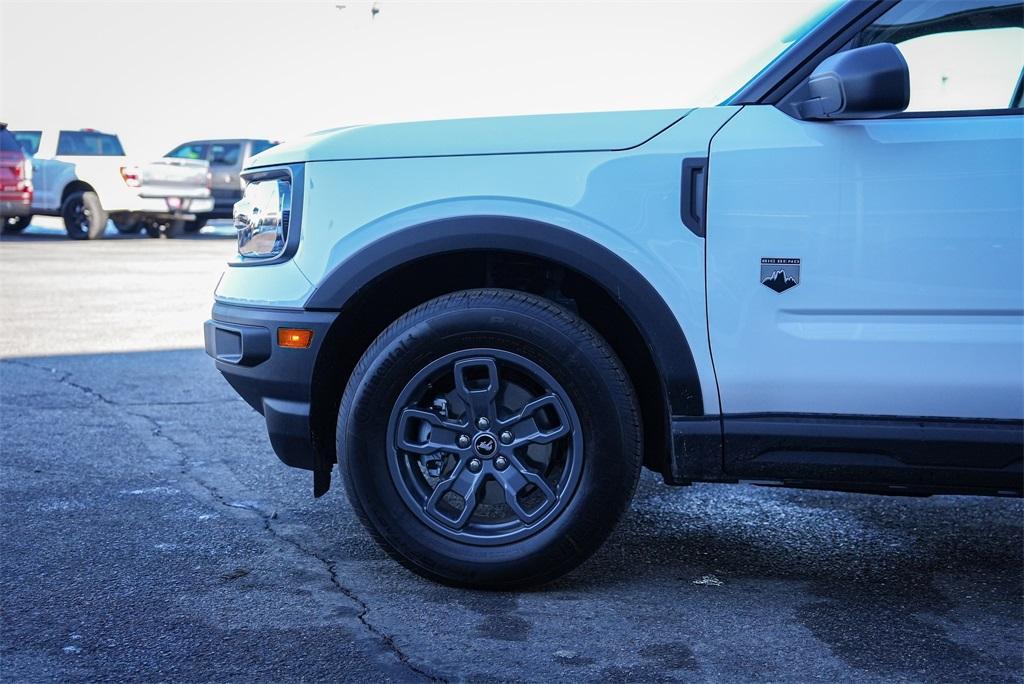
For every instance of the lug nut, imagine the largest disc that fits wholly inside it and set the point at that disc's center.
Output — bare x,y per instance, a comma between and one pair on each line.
474,465
463,441
501,463
483,423
505,437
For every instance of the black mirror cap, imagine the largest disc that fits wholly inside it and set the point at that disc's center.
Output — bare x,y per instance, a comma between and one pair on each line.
863,83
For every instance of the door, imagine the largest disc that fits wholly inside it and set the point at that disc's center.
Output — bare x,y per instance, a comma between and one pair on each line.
876,267
48,174
225,163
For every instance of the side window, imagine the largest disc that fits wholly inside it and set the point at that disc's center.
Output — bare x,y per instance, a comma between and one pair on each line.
188,151
962,54
29,140
225,154
88,144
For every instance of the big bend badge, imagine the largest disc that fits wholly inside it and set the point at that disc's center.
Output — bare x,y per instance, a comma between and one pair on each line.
780,274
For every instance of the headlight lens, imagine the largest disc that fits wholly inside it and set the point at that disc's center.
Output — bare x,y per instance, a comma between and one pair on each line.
261,217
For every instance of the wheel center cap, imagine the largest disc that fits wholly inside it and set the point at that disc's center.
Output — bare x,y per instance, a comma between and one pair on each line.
485,445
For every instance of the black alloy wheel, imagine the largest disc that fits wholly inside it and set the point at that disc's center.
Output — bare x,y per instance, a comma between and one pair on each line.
489,438
84,217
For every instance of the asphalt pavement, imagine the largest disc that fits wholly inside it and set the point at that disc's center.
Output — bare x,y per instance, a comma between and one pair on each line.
148,533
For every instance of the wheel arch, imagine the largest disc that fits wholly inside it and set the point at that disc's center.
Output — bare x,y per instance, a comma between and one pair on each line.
73,187
371,288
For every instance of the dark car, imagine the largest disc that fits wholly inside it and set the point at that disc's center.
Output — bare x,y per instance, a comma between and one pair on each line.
226,159
15,184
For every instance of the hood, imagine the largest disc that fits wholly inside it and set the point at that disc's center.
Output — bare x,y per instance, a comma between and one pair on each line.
598,131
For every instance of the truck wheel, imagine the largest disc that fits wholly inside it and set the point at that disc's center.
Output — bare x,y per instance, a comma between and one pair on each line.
15,224
194,226
174,228
84,218
127,226
489,438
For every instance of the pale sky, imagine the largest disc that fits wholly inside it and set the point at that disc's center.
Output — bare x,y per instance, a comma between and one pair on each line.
161,73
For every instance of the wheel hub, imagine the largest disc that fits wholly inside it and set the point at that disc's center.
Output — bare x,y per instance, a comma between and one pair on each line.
485,445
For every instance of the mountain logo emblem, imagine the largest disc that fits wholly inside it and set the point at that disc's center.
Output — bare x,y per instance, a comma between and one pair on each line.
485,445
780,274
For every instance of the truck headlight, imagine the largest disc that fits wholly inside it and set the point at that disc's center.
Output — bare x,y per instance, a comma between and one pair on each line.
261,217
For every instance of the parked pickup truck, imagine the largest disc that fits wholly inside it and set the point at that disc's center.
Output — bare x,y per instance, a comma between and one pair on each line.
84,177
226,158
15,184
491,325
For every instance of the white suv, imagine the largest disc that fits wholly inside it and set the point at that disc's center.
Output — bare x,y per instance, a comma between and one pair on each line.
488,326
84,177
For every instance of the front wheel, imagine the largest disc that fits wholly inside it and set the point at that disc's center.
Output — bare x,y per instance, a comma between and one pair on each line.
489,438
84,217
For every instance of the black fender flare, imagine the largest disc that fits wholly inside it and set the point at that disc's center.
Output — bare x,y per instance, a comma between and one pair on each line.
638,298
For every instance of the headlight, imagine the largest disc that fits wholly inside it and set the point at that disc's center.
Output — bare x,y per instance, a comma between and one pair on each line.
261,217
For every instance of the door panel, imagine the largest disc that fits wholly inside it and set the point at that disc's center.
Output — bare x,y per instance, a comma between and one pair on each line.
49,178
911,275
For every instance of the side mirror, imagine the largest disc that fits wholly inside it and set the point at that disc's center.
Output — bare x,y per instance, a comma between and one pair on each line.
862,83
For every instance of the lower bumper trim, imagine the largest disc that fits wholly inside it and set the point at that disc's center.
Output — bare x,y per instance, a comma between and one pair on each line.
288,427
273,380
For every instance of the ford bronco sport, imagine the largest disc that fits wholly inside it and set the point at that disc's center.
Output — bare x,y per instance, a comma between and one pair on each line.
491,325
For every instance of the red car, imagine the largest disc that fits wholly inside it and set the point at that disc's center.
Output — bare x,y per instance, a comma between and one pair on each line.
15,184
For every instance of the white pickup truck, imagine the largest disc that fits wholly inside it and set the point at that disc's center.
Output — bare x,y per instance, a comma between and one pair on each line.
84,177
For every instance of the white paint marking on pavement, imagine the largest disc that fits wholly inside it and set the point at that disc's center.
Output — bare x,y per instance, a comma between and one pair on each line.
709,581
150,490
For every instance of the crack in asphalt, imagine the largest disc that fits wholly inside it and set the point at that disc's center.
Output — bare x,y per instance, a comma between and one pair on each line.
156,430
330,565
364,610
65,378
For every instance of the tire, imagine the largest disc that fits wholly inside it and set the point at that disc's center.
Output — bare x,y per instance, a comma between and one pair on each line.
584,444
175,228
128,227
152,229
195,226
84,217
15,224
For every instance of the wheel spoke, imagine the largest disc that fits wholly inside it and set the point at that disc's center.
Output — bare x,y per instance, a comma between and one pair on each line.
526,430
444,434
514,480
476,381
463,483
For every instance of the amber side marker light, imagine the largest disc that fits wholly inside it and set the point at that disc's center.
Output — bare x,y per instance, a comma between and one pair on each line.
294,338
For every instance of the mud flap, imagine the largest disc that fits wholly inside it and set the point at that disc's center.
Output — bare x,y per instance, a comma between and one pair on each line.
321,482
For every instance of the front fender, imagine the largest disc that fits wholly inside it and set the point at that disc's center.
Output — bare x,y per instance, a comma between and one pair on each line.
649,311
627,203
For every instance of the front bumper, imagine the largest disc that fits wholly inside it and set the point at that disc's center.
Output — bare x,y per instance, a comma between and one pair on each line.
273,380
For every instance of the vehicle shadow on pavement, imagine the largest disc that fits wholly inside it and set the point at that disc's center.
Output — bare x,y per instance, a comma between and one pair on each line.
888,584
149,526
